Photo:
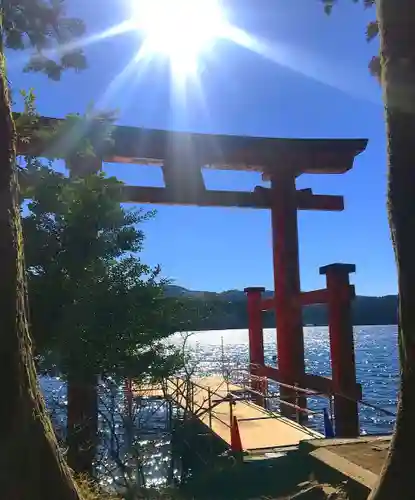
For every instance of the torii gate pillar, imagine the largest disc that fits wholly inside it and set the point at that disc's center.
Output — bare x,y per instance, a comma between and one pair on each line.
290,341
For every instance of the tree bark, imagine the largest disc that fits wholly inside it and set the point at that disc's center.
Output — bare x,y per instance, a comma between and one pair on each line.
82,424
31,465
397,33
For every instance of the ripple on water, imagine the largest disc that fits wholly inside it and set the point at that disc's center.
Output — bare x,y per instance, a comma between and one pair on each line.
376,363
376,370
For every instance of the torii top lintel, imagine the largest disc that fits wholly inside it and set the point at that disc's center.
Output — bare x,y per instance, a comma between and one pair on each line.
182,155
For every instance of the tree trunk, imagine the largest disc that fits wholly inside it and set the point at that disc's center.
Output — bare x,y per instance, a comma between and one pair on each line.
397,33
31,466
82,424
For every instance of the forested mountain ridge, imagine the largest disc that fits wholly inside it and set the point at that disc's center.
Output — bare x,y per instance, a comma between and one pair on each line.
228,309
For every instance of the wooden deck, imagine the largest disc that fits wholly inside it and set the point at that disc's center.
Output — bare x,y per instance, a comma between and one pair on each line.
259,428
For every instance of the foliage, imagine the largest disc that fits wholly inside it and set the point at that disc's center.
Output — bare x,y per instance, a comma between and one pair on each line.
42,25
82,140
328,4
372,31
95,307
91,491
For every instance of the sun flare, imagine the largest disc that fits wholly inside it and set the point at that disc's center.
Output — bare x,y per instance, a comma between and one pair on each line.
181,30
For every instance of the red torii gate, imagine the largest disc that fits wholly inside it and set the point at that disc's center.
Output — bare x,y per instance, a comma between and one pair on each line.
182,156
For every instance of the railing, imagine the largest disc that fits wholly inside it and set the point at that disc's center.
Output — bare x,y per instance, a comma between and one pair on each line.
184,394
246,379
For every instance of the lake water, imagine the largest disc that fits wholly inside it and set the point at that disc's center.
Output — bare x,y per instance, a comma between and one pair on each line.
376,363
376,366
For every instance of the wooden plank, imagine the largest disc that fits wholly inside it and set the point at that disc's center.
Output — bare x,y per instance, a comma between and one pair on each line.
256,431
258,428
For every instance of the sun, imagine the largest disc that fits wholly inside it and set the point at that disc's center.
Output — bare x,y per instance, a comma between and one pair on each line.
181,30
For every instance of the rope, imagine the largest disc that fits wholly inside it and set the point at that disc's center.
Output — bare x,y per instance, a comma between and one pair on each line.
378,408
312,393
369,405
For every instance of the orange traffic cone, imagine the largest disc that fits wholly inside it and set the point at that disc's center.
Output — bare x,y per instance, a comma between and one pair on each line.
236,443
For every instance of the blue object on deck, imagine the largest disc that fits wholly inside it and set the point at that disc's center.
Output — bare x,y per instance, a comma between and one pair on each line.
328,426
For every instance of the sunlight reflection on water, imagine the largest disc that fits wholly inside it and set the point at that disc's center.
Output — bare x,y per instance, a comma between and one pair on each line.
376,362
376,368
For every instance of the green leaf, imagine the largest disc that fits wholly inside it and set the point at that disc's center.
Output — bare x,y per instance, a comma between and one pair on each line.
375,67
372,31
96,308
43,27
328,6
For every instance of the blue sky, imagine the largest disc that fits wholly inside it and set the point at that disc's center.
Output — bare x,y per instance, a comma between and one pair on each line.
312,82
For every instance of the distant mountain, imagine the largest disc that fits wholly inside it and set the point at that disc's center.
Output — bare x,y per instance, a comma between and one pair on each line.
228,309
